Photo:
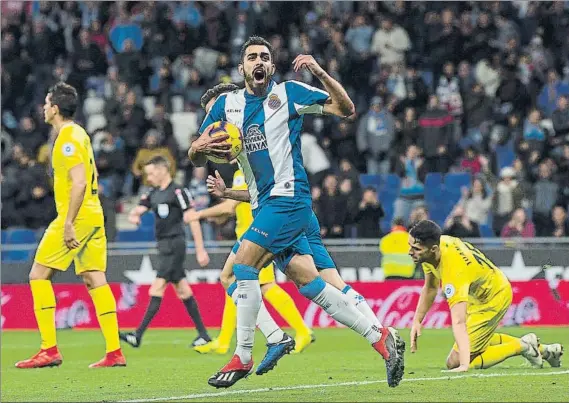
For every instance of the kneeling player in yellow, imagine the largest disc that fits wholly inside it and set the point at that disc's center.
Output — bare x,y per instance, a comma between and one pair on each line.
272,292
478,294
76,235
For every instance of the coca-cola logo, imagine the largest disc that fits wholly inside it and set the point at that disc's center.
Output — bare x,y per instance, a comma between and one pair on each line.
129,294
75,315
396,310
526,311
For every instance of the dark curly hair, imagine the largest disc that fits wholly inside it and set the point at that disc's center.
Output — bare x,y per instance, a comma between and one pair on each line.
216,91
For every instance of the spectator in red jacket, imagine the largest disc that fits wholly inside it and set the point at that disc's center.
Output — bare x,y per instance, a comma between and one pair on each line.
519,226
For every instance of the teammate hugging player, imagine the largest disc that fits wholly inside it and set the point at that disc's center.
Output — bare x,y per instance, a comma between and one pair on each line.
270,118
478,294
172,205
76,235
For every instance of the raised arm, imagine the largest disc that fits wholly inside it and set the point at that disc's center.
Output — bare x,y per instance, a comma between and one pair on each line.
338,102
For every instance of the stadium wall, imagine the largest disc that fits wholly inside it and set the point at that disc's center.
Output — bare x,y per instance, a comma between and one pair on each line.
535,302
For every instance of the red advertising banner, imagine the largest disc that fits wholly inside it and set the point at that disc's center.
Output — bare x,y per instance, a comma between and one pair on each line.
536,302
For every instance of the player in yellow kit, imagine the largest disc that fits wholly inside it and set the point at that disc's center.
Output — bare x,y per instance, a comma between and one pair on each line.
279,299
76,235
478,294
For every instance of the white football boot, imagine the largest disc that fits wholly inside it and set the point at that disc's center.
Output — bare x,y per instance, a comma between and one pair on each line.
531,352
552,354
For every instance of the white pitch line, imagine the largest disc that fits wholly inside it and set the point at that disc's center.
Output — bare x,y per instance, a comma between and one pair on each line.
333,385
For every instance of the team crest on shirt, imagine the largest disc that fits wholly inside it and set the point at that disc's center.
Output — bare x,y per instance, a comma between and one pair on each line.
255,139
274,101
68,149
449,290
163,210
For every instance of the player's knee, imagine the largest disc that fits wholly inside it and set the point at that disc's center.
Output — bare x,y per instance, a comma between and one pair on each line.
39,272
94,279
253,255
301,270
157,288
183,290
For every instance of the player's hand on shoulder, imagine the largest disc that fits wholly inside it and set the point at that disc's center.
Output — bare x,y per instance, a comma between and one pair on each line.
216,185
307,62
202,257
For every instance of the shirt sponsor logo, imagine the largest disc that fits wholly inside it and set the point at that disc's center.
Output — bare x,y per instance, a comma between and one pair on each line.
255,140
274,101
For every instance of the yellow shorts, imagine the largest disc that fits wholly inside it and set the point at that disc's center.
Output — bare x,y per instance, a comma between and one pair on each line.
483,320
90,255
267,274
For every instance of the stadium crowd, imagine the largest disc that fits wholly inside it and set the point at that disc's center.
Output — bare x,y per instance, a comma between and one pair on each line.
477,87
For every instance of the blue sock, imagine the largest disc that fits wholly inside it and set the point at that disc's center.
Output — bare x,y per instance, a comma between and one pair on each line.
244,272
312,289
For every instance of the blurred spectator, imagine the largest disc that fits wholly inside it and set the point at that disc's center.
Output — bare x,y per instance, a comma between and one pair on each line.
333,209
376,132
471,161
448,91
29,137
129,62
369,214
435,136
416,91
560,222
151,147
394,247
533,135
507,198
477,111
459,224
411,170
406,132
390,43
545,192
551,92
161,122
476,202
419,213
560,118
87,61
314,157
487,73
131,123
111,166
518,226
109,210
201,199
343,142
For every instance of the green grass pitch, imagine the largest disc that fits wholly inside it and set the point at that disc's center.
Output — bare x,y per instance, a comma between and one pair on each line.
340,366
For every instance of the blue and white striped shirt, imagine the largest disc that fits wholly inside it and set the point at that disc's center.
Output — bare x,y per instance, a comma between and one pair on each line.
271,125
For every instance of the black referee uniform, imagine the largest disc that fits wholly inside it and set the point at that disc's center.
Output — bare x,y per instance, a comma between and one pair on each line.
169,206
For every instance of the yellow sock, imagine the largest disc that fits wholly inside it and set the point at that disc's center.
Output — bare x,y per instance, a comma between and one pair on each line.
106,308
284,305
228,322
496,354
501,338
44,309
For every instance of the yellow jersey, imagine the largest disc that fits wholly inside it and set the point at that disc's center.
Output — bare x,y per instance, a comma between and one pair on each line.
243,213
71,148
466,275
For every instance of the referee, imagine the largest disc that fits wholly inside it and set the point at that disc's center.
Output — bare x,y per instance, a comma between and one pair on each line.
171,205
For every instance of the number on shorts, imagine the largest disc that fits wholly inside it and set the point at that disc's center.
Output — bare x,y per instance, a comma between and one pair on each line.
94,190
480,258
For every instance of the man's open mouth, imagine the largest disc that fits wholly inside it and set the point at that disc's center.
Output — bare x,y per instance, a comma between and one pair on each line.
259,75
